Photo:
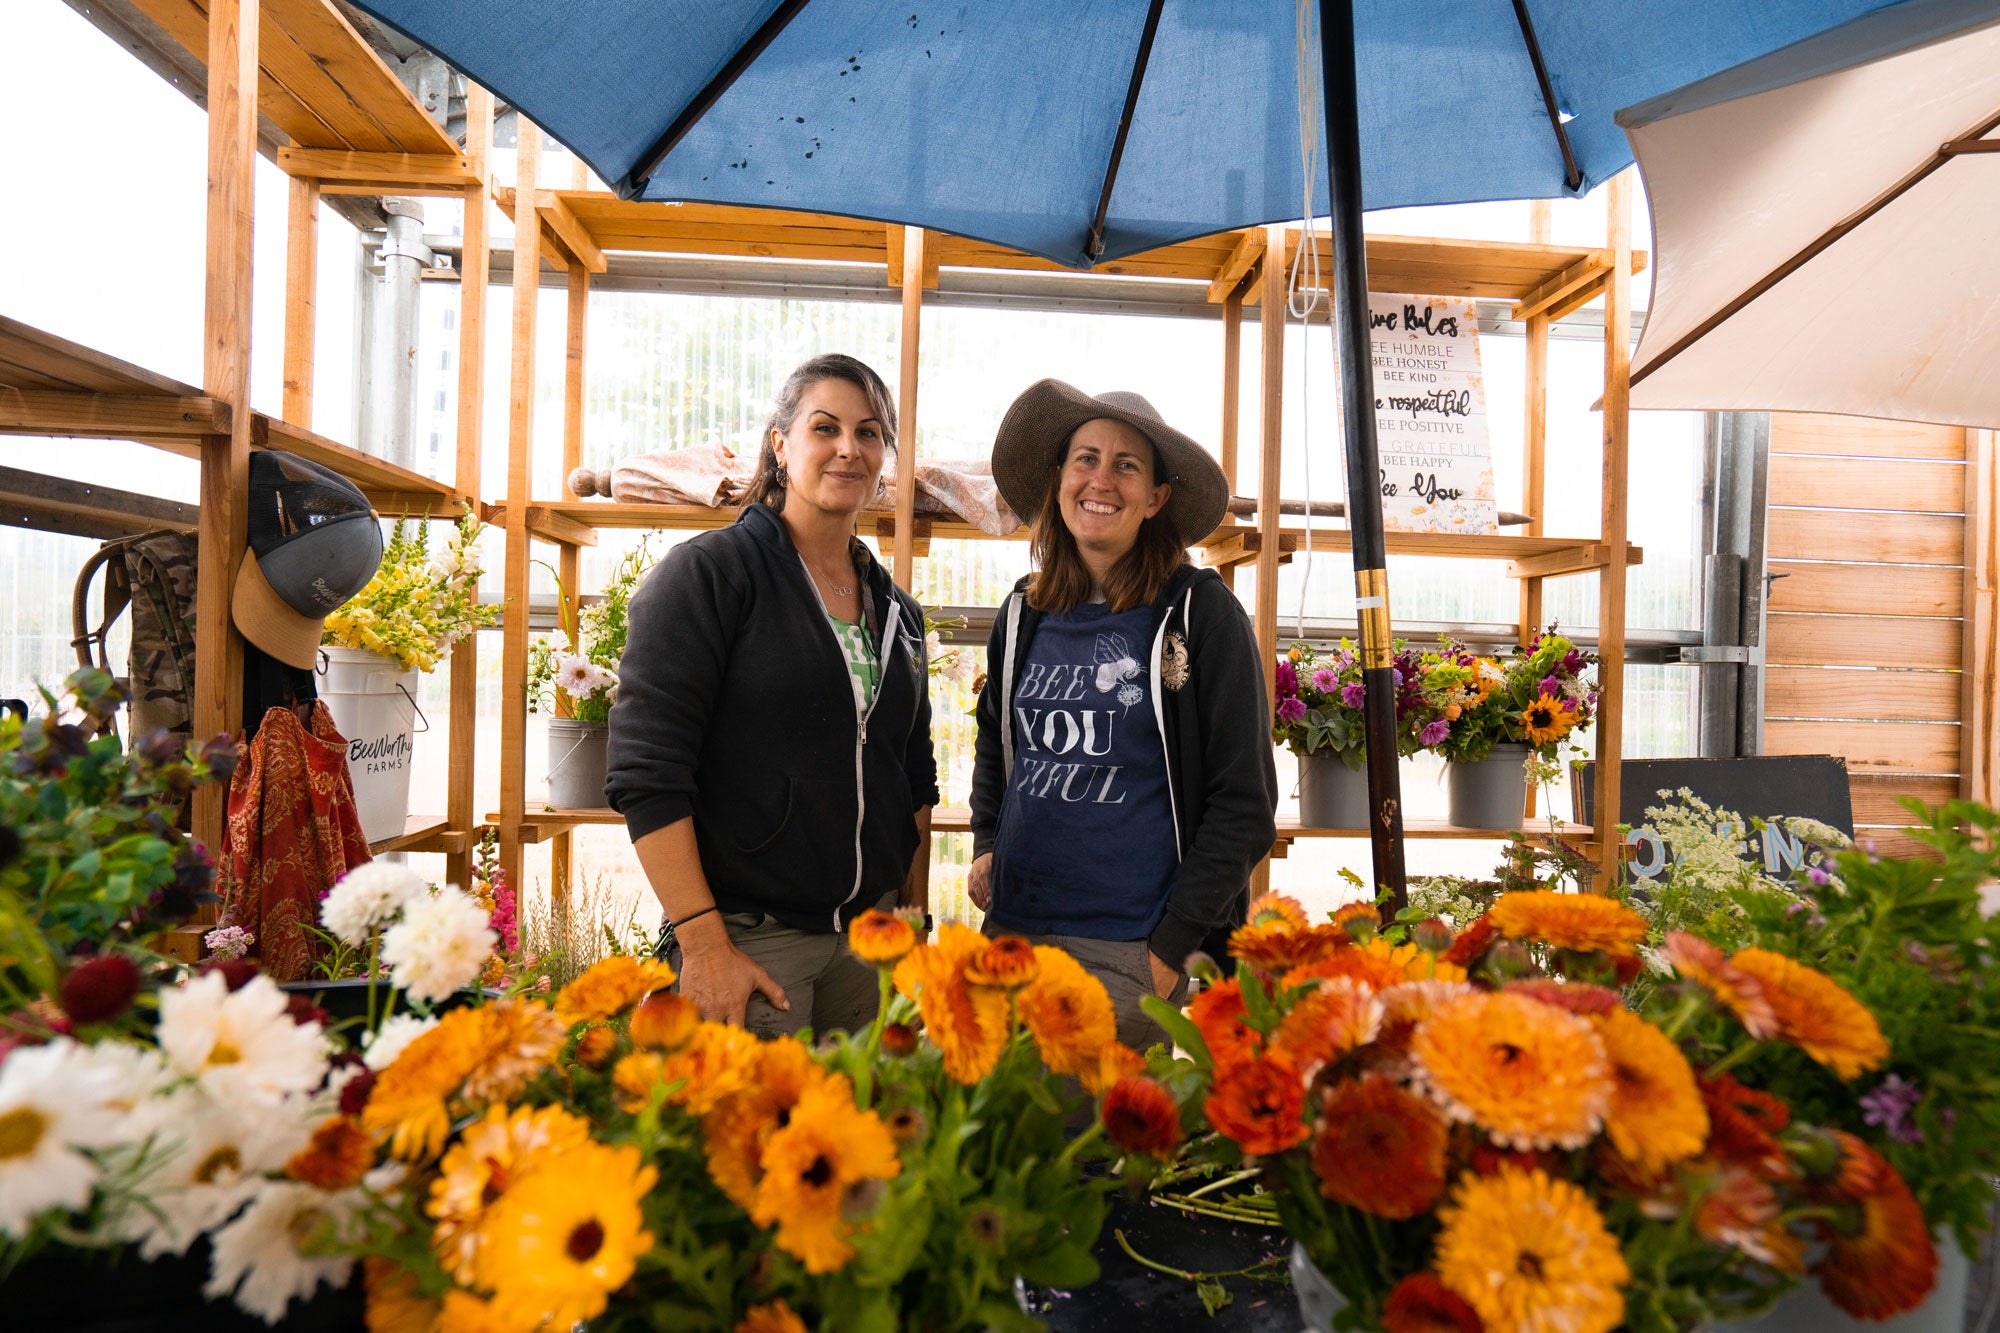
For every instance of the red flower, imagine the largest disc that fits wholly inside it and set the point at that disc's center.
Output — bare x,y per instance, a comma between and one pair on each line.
1578,997
1422,1303
1879,1257
1379,1148
1141,1118
1472,943
1219,1013
99,989
1260,1103
1743,1125
354,1092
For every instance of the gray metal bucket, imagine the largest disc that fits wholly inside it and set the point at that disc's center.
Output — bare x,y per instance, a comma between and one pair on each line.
1331,795
576,763
1319,1303
1492,793
1807,1310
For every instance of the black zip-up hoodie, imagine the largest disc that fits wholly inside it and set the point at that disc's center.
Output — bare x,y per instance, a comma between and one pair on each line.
736,707
1209,678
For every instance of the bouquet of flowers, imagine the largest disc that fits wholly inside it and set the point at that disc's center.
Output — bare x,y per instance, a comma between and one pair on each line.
1320,703
1540,698
1475,1131
416,608
581,681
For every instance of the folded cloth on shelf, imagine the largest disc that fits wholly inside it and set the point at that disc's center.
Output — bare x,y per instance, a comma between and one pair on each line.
701,474
956,488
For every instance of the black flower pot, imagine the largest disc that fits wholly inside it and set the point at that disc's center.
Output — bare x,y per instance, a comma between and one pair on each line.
115,1291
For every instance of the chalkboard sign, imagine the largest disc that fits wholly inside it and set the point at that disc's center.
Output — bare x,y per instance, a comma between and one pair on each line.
1811,786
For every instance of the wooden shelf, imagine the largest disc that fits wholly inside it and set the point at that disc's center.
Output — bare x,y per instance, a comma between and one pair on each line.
1527,556
425,833
543,824
576,520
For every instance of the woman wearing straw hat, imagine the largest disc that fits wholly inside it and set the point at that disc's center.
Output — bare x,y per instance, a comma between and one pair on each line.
1123,786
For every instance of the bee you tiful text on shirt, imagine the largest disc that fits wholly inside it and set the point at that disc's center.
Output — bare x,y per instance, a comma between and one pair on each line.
1086,837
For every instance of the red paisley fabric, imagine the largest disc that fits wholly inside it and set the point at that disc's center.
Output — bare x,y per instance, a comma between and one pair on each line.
293,831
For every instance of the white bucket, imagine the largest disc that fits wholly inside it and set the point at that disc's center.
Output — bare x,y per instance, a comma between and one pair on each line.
374,707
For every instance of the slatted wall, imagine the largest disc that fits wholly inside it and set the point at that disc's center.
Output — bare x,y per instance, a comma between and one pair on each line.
1867,636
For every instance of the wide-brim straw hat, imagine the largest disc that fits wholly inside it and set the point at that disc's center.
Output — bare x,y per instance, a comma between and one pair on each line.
1030,442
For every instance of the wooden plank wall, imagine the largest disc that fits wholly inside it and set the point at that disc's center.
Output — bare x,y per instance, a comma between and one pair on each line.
1866,639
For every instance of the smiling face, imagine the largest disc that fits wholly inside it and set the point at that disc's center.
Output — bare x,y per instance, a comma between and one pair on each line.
833,451
1107,488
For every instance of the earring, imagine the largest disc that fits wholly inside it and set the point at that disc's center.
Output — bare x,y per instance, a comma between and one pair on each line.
784,477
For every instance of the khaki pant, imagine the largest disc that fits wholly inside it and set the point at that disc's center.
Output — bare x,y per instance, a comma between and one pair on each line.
1127,973
828,986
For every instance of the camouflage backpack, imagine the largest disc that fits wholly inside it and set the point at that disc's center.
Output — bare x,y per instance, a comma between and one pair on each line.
154,574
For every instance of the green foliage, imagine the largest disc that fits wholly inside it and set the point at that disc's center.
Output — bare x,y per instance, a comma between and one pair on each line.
581,681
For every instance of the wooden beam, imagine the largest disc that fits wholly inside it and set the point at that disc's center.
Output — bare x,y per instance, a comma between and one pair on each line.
1979,744
1611,581
1243,547
347,172
520,478
1228,279
571,236
1548,295
569,565
301,283
109,416
226,311
1535,433
1232,400
412,504
1270,456
893,235
59,504
906,403
1578,559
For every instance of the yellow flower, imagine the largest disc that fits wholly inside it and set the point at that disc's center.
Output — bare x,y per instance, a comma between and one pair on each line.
1656,1116
828,1147
1547,719
712,1066
1584,922
517,1039
1815,1014
395,1304
560,1241
773,1317
1532,1075
880,938
1531,1255
735,1133
1067,1012
409,1105
611,987
968,1022
492,1156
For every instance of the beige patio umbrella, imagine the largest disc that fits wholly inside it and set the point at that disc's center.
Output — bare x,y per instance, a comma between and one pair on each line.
1831,245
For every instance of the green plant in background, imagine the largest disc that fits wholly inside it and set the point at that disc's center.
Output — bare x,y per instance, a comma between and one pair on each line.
416,608
581,681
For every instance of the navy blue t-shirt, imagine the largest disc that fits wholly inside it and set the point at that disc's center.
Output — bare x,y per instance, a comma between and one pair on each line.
1086,838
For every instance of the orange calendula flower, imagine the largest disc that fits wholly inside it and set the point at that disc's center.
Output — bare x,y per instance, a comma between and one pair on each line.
827,1147
339,1155
771,1317
1377,965
1358,921
735,1133
517,1039
1113,1061
1548,718
611,987
1379,1148
409,1106
491,1156
1068,1013
1470,945
395,1303
1531,1254
1332,1019
567,1235
1656,1116
1530,1075
1815,1014
1577,997
1219,1014
880,938
711,1067
1880,1260
1584,922
1744,1124
1276,944
1276,906
463,1312
1733,988
1140,1117
1739,1208
596,1046
664,1021
1422,1303
1007,961
1260,1103
967,1022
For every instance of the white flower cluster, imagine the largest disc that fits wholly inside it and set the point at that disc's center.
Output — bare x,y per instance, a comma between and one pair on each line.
953,664
435,944
580,676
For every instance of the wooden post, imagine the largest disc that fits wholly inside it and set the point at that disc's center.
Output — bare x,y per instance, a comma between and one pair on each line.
1979,742
460,794
569,566
1232,399
906,407
1271,446
1611,579
1535,439
520,484
301,272
225,459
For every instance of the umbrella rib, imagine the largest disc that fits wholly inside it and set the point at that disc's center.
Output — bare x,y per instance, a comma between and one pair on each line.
1969,142
712,92
1572,174
1095,245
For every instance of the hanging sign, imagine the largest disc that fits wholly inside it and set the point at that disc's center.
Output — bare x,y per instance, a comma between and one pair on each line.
1430,415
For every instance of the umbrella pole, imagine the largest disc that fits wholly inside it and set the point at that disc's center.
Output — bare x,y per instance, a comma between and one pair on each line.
1356,373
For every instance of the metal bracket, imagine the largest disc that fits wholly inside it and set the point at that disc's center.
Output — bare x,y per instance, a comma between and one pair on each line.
1722,654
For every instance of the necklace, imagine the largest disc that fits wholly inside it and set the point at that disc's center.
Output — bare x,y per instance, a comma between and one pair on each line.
839,589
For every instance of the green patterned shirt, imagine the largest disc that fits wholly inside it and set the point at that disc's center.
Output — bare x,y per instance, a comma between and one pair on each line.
861,663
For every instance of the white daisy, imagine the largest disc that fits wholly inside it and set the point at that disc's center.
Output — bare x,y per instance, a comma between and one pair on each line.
137,1073
387,1042
205,1163
240,1045
440,946
52,1102
602,678
258,1257
367,897
573,674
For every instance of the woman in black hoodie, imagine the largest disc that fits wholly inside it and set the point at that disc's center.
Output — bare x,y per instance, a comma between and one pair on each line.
771,743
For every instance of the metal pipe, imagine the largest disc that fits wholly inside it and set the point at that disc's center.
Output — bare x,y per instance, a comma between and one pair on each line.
1356,372
389,399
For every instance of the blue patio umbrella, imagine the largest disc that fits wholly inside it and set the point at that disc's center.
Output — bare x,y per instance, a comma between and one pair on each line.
1087,130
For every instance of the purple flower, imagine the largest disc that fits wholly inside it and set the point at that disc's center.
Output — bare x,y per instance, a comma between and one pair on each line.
1818,875
1573,663
1397,676
1890,1105
1552,686
1353,695
1288,679
1291,710
1435,733
1326,680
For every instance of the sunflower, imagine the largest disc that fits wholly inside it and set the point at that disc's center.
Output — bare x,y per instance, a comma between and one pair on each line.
1218,1013
516,1040
1422,1303
1007,961
735,1132
611,987
1260,1103
395,1303
1140,1117
1577,997
1815,1014
567,1235
1733,988
1379,1149
1532,1076
1582,922
968,1023
1332,1019
664,1021
1879,1259
1549,718
879,938
1656,1116
771,1317
826,1148
1531,1254
339,1155
1068,1013
489,1158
